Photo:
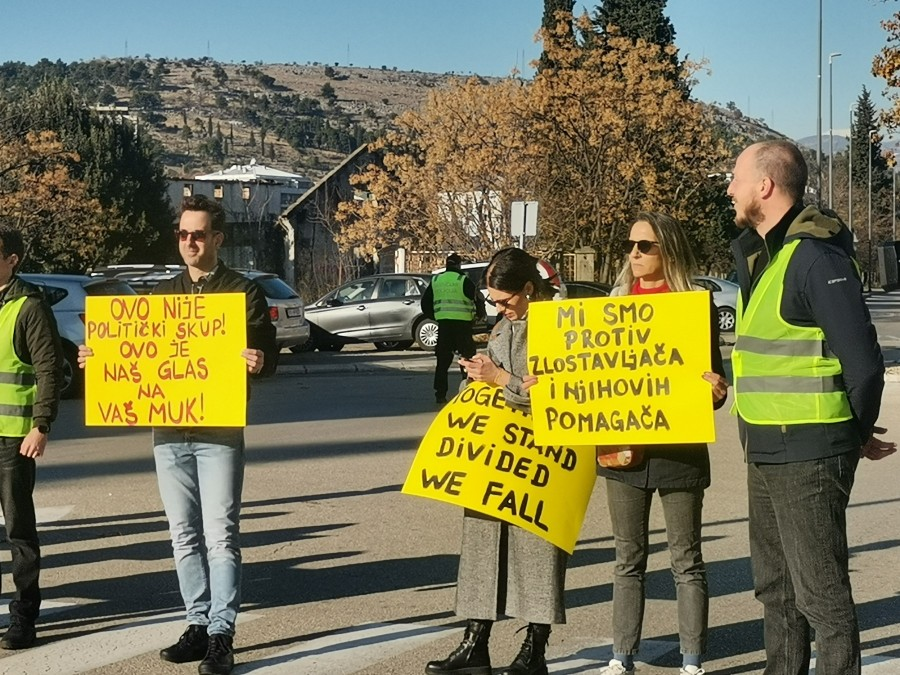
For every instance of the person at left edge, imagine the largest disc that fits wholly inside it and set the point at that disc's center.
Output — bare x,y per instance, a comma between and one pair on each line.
453,301
31,361
200,470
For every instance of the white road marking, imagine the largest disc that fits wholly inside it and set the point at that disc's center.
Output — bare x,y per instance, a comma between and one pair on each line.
102,648
589,656
875,664
47,607
347,651
47,514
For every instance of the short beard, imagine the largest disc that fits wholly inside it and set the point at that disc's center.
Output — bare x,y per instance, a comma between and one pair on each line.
752,218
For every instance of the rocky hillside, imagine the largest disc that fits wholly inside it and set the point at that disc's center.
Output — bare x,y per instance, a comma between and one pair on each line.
302,118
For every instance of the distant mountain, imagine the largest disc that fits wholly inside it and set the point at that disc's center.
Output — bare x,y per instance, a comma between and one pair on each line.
840,143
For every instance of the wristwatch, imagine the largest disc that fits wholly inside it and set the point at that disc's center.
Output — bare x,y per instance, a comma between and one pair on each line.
43,428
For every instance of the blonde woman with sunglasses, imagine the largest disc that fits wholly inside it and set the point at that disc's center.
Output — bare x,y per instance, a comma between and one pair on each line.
659,260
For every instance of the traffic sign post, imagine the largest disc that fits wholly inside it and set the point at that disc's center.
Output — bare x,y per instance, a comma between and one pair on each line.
523,221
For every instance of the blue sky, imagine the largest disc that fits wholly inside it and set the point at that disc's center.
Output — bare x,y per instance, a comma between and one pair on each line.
762,54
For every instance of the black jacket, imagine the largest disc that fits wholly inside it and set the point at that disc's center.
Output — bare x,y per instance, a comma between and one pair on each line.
821,288
260,331
36,341
677,466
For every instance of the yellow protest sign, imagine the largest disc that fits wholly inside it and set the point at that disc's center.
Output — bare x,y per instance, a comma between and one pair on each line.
166,360
622,370
481,454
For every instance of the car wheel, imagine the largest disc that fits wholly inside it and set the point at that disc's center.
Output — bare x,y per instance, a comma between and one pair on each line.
394,345
426,334
308,346
72,375
727,320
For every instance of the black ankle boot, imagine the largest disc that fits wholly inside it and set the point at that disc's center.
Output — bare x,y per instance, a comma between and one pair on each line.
530,660
471,657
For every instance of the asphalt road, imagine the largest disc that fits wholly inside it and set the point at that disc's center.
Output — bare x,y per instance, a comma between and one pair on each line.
344,574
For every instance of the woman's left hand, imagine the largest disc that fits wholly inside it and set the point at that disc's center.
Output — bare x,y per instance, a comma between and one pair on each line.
480,368
719,386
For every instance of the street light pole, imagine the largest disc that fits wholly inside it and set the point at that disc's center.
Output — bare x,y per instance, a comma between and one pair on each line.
819,118
872,133
831,58
850,175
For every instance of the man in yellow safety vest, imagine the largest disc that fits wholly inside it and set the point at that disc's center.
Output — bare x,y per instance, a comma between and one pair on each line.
453,301
31,375
808,379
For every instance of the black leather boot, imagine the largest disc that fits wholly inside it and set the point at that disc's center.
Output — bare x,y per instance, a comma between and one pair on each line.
471,657
530,660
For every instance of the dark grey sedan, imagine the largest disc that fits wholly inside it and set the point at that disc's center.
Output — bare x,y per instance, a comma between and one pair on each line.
384,309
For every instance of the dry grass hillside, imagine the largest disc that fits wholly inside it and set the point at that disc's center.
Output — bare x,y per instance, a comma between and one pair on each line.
236,100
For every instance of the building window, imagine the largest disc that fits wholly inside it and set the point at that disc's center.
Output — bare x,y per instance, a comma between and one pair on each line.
187,190
218,191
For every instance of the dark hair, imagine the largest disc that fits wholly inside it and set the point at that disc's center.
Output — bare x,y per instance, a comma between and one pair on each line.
783,162
11,242
512,268
204,203
453,261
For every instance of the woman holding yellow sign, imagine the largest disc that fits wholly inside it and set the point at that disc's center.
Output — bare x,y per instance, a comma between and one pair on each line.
660,261
503,569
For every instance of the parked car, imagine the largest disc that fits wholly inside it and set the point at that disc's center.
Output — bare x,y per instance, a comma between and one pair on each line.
384,309
725,294
66,293
475,271
587,289
285,309
285,306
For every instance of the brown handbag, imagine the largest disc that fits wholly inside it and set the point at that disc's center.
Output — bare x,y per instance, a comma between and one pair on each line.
619,456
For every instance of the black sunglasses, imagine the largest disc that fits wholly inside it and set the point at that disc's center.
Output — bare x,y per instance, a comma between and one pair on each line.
644,245
196,235
502,304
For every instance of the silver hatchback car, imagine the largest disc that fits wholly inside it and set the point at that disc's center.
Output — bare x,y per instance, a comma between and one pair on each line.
385,309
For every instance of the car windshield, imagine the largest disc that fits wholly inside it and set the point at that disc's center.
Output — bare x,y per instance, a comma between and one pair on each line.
275,288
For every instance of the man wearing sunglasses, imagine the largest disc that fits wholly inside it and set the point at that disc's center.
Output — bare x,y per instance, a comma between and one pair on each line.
808,379
200,470
453,301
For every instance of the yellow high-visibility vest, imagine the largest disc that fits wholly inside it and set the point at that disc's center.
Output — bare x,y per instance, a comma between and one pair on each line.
450,301
18,387
783,374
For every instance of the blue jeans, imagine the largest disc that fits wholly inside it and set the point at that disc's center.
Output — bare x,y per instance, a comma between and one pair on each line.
629,509
798,549
201,475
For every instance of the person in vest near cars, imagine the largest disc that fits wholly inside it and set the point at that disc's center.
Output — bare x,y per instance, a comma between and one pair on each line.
808,379
31,366
453,301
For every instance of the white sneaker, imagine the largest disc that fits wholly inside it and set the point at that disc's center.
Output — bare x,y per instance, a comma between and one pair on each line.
616,667
692,670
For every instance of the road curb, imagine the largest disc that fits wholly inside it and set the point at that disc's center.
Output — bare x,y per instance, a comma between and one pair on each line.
348,368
